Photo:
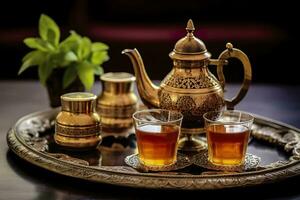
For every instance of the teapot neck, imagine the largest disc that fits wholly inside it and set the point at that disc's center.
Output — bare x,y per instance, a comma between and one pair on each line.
190,64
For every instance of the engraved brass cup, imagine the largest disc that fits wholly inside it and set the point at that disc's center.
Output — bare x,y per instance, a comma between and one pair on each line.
78,125
117,102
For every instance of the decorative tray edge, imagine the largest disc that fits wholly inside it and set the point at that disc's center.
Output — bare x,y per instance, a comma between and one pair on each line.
124,176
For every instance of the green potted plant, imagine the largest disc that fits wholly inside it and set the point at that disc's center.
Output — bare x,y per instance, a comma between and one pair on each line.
66,66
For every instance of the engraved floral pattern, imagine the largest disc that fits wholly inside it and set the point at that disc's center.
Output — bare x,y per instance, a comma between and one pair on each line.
186,105
196,82
192,108
76,131
212,102
166,101
251,163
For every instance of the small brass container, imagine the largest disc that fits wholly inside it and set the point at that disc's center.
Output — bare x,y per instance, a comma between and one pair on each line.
78,125
117,102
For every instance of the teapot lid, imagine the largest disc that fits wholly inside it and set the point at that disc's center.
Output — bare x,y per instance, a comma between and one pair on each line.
190,47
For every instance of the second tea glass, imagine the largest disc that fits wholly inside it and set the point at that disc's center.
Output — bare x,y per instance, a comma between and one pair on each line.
157,132
227,135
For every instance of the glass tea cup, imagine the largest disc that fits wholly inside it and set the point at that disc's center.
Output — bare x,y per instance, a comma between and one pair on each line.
227,135
157,132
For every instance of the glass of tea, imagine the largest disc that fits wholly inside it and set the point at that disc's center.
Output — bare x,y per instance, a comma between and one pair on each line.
157,132
227,135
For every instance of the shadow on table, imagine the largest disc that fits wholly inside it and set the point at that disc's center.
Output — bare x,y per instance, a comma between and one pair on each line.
50,185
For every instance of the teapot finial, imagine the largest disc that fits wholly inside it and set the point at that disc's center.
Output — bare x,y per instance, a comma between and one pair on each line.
189,47
190,26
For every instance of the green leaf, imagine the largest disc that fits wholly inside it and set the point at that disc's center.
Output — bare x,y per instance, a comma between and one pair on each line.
37,43
71,43
99,57
31,59
99,46
44,72
70,56
48,29
84,48
74,34
52,38
98,70
55,59
62,59
69,76
86,74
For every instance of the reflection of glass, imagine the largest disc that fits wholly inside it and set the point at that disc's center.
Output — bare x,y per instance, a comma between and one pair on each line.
227,135
157,133
114,149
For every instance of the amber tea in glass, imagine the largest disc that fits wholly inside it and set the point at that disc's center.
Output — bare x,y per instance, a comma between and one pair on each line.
227,135
157,133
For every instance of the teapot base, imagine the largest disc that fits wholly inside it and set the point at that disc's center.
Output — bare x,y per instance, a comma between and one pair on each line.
191,143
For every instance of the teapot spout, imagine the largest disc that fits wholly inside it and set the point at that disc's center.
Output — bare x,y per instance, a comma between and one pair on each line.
147,90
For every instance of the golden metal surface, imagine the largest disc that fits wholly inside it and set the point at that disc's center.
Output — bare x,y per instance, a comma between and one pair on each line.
78,125
78,102
147,90
23,140
190,87
231,52
117,101
182,162
189,47
191,144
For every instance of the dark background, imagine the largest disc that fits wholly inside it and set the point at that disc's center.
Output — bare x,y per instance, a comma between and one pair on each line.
264,30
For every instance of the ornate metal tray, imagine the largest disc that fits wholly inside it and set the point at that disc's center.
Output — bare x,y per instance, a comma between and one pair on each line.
276,143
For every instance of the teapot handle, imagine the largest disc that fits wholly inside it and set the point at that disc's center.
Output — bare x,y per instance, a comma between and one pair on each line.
231,52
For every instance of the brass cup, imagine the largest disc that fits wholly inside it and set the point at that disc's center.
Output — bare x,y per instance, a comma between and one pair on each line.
117,102
78,125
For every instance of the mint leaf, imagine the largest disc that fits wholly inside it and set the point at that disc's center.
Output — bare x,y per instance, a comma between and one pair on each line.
99,57
99,46
84,48
98,70
56,59
69,76
44,72
78,55
76,35
62,59
86,74
70,56
37,43
52,38
71,43
31,59
48,30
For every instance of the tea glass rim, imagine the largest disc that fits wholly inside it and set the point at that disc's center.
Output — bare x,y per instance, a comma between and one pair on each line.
250,120
157,122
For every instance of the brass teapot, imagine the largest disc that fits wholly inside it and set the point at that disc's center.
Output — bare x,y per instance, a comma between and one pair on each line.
190,87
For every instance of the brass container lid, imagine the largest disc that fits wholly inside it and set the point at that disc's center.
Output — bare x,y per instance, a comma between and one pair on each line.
117,77
78,102
190,47
117,82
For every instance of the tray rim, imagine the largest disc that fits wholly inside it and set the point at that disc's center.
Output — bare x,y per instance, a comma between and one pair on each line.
117,175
